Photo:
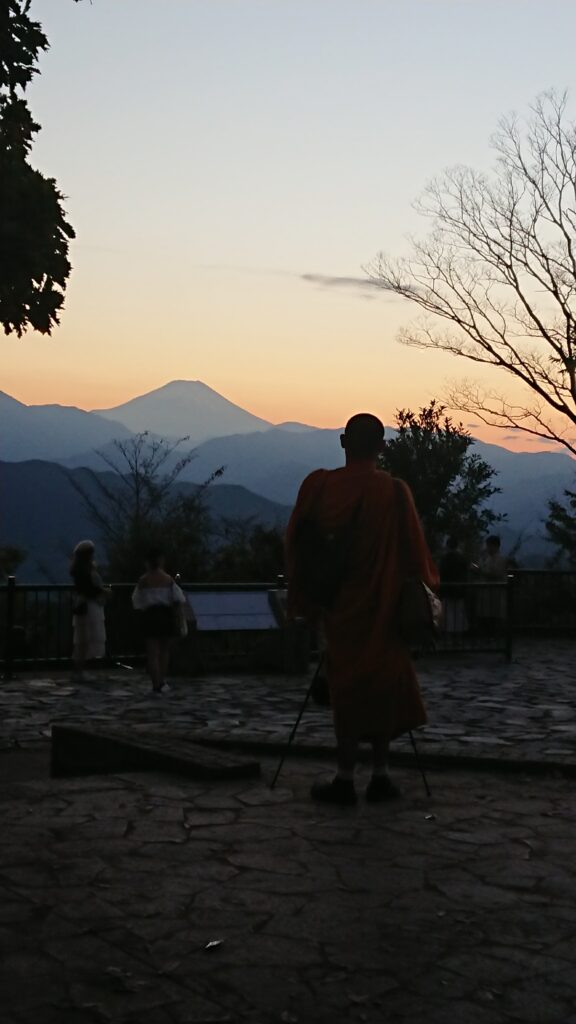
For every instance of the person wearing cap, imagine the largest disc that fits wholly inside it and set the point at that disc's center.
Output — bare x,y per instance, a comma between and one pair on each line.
89,596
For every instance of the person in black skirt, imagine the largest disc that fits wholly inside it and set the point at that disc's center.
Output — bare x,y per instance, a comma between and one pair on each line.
161,605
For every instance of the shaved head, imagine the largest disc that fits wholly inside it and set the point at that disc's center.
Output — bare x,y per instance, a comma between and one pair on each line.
363,436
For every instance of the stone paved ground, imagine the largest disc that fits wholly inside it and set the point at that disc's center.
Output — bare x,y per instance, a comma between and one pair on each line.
478,705
455,910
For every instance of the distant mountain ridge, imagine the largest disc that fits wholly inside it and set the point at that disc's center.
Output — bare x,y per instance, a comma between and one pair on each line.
44,514
267,460
51,431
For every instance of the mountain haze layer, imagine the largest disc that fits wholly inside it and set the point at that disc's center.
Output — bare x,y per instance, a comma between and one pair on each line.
52,431
275,460
44,514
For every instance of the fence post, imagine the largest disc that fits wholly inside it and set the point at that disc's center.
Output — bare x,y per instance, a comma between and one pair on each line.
9,626
510,582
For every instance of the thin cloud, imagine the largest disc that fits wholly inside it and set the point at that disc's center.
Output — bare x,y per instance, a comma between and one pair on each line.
355,283
542,440
365,286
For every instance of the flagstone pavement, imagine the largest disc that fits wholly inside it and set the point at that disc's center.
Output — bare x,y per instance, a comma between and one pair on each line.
154,900
150,899
478,705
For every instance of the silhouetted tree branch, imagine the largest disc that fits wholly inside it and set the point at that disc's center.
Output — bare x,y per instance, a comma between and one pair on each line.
499,269
140,506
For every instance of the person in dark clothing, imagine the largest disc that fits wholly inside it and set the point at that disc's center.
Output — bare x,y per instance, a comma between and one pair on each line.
454,566
454,569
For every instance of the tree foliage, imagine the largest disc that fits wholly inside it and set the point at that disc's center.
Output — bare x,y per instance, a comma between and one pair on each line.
495,281
34,232
11,557
450,486
561,526
247,552
140,504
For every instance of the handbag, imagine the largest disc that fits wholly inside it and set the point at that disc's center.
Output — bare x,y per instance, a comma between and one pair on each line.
180,620
184,618
419,612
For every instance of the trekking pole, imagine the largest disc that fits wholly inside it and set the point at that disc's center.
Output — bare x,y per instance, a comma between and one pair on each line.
297,722
419,763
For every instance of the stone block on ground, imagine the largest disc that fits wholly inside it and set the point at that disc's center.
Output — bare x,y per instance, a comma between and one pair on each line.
89,750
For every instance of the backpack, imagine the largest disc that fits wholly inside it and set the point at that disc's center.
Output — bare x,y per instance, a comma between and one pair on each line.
323,559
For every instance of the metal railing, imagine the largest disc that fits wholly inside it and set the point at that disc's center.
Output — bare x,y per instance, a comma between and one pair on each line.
36,627
477,617
36,624
544,601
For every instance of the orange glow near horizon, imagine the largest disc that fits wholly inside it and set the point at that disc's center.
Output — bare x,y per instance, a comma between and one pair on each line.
279,347
319,414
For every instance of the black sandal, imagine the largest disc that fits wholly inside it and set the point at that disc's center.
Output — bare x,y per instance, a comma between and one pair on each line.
339,791
381,788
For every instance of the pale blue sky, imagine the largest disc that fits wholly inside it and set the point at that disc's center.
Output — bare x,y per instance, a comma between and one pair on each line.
213,151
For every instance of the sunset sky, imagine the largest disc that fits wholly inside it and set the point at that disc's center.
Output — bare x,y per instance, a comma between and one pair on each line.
225,162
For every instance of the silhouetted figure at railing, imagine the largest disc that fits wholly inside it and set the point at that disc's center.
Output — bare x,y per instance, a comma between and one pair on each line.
88,600
454,570
491,603
162,606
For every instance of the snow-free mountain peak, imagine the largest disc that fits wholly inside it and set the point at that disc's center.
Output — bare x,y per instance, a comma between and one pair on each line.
294,427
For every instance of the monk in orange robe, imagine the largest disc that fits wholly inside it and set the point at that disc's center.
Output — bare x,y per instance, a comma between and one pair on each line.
373,686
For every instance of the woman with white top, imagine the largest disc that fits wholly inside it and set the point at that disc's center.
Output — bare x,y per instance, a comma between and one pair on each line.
88,601
161,604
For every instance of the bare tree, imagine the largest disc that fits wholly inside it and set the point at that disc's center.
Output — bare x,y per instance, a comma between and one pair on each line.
138,505
139,489
499,268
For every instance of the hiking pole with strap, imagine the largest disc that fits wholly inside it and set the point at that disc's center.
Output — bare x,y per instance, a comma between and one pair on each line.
419,763
297,722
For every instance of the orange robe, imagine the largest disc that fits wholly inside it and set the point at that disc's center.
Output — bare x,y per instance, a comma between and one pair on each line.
373,685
